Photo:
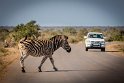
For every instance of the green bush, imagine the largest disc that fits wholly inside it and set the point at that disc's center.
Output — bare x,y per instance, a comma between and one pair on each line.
23,30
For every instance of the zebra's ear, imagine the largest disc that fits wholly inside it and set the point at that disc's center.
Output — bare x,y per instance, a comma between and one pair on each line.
67,37
64,37
34,37
25,38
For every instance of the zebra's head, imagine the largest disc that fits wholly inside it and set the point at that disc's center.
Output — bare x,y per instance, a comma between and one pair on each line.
65,45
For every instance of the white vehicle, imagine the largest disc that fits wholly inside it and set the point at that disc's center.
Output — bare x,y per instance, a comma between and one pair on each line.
94,40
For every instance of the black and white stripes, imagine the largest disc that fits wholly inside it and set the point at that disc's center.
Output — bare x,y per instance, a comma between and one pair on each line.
45,48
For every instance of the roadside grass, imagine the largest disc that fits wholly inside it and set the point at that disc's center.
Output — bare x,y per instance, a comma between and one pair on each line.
3,53
73,39
116,48
120,47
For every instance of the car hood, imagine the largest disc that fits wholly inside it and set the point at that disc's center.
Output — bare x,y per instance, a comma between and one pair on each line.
94,39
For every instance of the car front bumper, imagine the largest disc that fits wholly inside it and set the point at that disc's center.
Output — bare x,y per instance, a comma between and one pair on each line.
95,46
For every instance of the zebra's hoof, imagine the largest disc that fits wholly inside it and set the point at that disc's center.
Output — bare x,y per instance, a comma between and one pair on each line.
55,69
23,71
39,69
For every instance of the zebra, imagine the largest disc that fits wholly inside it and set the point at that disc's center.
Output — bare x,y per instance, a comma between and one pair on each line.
45,48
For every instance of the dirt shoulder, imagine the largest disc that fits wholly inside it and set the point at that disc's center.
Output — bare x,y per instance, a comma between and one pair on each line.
8,59
115,48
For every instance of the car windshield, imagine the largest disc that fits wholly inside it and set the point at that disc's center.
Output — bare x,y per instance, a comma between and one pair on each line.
95,36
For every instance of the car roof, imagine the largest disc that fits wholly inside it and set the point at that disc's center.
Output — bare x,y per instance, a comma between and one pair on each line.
94,33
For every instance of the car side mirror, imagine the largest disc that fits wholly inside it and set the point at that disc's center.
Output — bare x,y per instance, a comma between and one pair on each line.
85,37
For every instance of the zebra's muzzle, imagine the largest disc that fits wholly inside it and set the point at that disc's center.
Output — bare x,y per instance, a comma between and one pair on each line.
68,50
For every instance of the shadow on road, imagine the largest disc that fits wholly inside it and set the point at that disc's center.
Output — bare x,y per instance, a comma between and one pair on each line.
112,51
72,70
101,51
65,71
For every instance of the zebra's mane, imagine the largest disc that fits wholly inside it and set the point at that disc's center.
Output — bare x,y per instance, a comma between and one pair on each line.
58,36
56,41
55,37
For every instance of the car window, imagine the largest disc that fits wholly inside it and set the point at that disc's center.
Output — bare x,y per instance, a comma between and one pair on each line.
95,36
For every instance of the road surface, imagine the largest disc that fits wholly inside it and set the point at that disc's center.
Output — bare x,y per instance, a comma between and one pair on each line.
78,66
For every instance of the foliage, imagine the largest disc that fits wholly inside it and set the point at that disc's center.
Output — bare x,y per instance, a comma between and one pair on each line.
31,29
77,35
23,30
3,34
81,33
114,34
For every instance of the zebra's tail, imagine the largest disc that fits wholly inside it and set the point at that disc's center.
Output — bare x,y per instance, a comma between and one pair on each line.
21,42
23,39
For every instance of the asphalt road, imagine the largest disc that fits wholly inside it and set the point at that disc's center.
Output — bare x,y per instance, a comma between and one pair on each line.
78,66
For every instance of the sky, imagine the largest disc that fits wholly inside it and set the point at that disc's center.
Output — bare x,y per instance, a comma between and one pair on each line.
62,12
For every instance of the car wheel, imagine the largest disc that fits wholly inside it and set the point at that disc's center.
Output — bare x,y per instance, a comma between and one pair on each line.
103,49
86,49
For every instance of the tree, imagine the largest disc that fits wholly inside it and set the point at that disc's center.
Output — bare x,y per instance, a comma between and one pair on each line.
29,29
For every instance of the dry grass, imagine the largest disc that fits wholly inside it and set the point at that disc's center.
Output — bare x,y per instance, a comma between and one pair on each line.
73,39
9,55
3,52
116,48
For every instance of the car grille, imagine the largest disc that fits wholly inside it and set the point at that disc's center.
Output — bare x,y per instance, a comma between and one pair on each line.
95,42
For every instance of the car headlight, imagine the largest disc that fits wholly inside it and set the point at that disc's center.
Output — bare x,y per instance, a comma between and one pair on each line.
88,41
102,42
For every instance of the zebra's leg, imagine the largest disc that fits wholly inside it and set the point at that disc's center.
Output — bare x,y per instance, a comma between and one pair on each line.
43,60
52,61
22,62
